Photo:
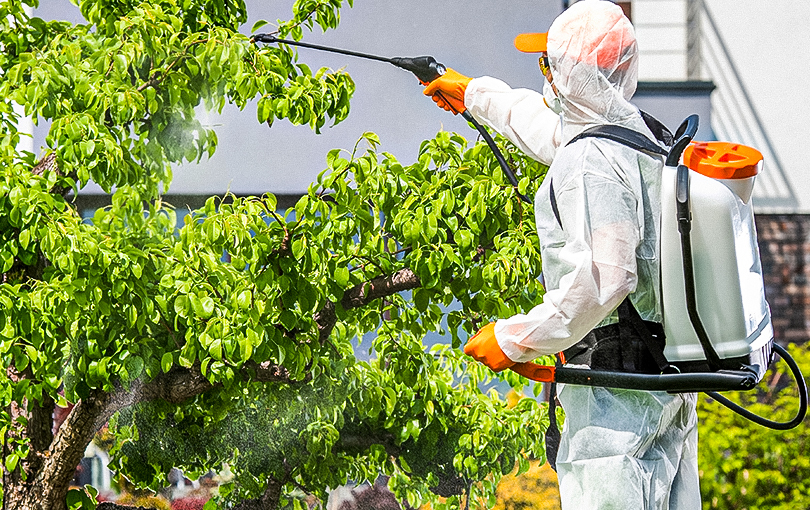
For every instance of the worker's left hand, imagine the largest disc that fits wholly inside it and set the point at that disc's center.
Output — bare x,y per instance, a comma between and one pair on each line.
448,91
484,348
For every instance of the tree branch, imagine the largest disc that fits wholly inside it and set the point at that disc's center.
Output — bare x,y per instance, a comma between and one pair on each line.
325,319
361,295
379,287
180,384
67,449
355,443
47,164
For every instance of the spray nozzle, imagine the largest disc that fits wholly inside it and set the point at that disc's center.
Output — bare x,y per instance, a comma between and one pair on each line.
425,68
265,38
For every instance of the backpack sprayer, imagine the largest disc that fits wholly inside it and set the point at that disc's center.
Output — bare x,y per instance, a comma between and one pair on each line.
736,355
707,229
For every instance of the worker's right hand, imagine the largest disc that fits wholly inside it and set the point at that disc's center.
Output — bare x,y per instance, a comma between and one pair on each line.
448,90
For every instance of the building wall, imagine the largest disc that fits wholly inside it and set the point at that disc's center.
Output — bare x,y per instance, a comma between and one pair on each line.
784,245
661,31
755,52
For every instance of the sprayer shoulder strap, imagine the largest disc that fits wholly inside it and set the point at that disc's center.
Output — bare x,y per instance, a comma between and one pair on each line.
627,137
624,136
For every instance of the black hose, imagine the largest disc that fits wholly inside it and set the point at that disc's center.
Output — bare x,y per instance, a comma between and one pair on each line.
498,155
759,420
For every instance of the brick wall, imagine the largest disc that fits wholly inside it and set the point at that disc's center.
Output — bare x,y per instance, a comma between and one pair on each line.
784,247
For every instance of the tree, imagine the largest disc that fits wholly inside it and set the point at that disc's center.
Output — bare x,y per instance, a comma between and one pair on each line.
229,342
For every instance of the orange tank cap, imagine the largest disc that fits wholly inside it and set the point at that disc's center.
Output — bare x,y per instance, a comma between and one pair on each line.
722,160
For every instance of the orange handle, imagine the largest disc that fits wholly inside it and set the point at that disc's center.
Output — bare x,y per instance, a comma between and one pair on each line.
535,372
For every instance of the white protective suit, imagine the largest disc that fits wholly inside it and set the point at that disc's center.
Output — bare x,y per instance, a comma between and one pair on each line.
619,449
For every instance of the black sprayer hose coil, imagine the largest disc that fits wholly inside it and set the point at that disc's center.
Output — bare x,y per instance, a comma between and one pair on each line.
797,374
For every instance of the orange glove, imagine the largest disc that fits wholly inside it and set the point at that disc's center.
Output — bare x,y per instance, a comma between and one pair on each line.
534,371
448,91
484,348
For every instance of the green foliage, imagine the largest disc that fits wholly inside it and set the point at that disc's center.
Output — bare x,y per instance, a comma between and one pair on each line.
82,499
115,303
121,90
424,405
747,466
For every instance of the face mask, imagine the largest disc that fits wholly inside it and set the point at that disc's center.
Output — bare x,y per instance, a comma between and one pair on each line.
551,99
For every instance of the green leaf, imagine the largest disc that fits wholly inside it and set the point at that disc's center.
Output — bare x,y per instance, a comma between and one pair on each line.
464,238
166,362
181,305
342,276
216,349
207,306
421,299
203,306
259,24
11,461
243,300
188,354
298,248
245,349
288,319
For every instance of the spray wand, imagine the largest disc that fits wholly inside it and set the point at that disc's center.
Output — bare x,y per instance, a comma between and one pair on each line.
426,69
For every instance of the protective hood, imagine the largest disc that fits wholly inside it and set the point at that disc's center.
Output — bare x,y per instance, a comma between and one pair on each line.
593,57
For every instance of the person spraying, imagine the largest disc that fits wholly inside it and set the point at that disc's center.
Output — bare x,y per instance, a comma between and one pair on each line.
597,215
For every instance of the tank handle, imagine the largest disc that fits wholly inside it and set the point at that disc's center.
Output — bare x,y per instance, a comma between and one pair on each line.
683,137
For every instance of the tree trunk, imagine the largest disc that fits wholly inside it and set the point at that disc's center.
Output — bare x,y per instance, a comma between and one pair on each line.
31,421
47,488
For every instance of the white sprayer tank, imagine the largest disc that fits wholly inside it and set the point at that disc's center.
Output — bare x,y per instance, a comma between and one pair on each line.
728,275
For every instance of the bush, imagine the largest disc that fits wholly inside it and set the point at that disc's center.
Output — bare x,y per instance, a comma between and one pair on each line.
746,466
